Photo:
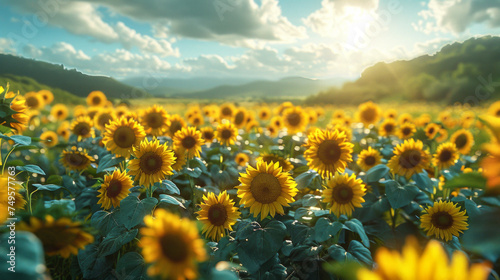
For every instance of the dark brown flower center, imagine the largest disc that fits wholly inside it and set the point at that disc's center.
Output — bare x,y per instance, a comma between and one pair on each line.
124,137
174,127
389,128
369,114
76,160
55,238
32,101
174,247
226,134
293,119
114,188
265,188
217,214
445,155
410,159
208,135
370,160
104,119
329,151
150,163
96,100
226,111
442,220
59,112
154,120
342,194
81,129
406,131
461,141
239,118
188,142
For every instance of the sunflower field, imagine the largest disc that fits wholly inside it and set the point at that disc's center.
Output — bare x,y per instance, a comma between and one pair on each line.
247,191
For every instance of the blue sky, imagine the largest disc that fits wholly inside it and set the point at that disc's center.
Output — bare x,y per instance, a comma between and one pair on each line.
237,38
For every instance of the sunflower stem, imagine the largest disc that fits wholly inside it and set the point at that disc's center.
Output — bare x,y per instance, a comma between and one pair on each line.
6,158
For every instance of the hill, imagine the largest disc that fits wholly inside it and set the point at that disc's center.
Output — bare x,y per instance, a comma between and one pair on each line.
460,72
72,81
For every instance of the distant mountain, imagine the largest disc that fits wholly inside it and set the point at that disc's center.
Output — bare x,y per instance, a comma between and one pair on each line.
72,81
460,72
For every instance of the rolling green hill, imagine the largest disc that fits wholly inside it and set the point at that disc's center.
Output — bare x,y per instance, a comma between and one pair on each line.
466,72
72,81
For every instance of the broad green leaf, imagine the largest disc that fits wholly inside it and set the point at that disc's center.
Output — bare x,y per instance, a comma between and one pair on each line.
170,187
324,229
113,241
357,227
376,173
360,252
131,266
32,169
473,180
49,187
133,210
399,196
29,257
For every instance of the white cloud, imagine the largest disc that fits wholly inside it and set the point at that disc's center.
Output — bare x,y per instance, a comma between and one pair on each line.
7,46
457,15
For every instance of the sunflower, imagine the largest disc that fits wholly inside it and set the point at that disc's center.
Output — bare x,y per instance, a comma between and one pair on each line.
423,120
59,237
285,164
76,159
59,112
431,130
241,159
96,99
239,117
63,130
103,118
283,106
446,155
180,159
226,133
121,111
217,214
172,245
388,127
272,131
295,119
312,117
92,111
189,140
494,109
176,123
18,203
406,130
338,114
153,162
155,120
82,127
264,113
34,101
463,139
266,189
343,193
196,120
18,104
409,158
404,118
46,95
79,110
328,152
443,220
121,135
390,114
369,158
208,134
114,188
431,264
442,135
277,122
467,119
341,127
368,113
226,111
49,138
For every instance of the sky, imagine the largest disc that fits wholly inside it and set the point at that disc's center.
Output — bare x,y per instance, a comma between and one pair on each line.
268,39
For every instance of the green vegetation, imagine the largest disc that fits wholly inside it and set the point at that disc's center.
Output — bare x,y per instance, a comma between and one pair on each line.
461,72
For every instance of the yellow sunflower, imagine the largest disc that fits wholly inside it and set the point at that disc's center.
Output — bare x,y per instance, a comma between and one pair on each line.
328,152
369,158
295,119
431,130
266,189
368,113
59,112
467,119
341,127
59,237
18,104
285,164
153,162
208,134
463,140
226,133
264,113
196,120
226,111
338,114
409,158
82,127
79,110
217,214
34,101
96,99
272,130
155,120
180,159
406,130
121,111
49,138
172,245
343,193
76,159
241,159
404,118
443,220
277,122
121,135
63,130
494,109
176,123
442,135
446,155
431,264
189,140
18,203
47,96
239,117
103,118
92,111
390,114
114,188
388,127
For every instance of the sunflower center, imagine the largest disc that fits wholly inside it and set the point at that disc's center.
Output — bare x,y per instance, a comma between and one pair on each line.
410,159
431,130
114,188
96,100
150,163
226,134
369,114
329,151
342,194
59,113
461,141
104,119
406,131
217,214
265,188
442,220
76,159
32,102
293,119
226,111
208,135
124,137
81,129
445,155
188,142
277,123
389,127
239,118
174,247
370,160
497,113
174,127
55,238
154,120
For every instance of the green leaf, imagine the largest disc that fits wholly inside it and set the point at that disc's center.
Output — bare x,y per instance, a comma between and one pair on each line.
29,256
108,161
357,227
324,229
165,198
473,180
4,129
193,172
222,275
170,187
91,265
118,237
305,179
49,187
23,148
131,266
360,252
133,210
423,181
103,221
21,140
31,168
339,254
376,173
399,196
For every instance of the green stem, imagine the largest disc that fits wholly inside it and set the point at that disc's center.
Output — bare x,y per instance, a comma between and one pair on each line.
7,157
